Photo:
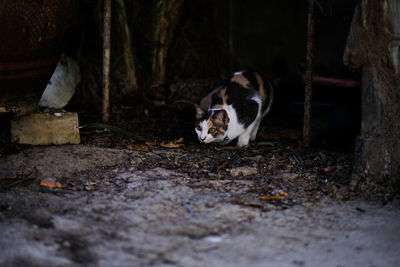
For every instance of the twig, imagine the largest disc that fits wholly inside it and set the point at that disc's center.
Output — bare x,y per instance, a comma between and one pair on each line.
309,75
234,148
299,159
106,60
31,178
21,182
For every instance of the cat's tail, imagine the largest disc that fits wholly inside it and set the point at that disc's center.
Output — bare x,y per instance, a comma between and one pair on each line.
270,99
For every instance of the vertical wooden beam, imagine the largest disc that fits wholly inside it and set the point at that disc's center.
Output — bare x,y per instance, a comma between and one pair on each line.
373,45
309,75
166,17
230,34
106,60
123,31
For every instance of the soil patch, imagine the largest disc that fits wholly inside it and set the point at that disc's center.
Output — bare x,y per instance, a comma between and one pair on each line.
193,205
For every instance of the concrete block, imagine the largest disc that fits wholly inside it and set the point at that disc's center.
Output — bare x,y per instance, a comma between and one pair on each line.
46,129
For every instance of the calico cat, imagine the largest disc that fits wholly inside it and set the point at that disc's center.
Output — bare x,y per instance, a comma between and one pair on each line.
234,109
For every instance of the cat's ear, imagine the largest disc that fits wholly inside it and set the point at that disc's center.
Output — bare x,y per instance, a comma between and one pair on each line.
221,116
199,112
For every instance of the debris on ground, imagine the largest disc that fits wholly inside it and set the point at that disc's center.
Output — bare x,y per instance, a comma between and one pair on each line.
50,183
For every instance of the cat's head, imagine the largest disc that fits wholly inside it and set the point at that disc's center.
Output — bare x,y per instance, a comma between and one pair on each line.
212,126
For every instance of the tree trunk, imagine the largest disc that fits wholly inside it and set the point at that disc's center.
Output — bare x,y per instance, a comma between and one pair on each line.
373,44
124,52
166,18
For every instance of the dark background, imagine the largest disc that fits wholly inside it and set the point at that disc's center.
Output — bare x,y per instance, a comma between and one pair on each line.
215,38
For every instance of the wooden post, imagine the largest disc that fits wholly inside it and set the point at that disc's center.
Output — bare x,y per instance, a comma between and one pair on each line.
309,75
373,45
166,18
124,49
106,60
230,34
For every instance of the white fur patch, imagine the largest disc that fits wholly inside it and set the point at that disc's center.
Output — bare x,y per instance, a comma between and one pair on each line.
235,128
203,135
257,99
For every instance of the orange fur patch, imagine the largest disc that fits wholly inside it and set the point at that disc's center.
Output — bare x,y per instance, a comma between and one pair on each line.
224,96
240,79
206,101
270,96
261,89
209,124
218,107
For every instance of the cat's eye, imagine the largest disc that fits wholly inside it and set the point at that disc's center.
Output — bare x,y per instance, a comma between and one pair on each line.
198,127
212,130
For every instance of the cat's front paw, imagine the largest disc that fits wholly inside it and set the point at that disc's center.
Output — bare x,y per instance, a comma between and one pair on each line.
243,141
242,146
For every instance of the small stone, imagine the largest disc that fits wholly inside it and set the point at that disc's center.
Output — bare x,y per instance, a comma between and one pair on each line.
243,171
66,244
215,175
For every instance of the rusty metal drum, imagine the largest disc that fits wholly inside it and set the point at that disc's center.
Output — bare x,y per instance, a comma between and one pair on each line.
32,36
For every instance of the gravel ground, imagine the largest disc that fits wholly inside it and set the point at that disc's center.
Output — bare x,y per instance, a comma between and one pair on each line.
271,204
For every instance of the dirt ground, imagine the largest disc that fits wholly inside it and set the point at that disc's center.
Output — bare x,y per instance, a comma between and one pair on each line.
125,202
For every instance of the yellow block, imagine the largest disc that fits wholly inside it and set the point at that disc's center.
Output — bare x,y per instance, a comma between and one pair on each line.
46,129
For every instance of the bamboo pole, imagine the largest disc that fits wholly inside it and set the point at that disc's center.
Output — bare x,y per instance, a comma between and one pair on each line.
106,60
309,76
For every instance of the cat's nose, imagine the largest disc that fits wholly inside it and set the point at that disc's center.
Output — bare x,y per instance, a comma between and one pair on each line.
203,138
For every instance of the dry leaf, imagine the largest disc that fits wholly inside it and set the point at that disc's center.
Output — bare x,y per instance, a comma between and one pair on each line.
275,197
171,145
50,182
223,165
178,141
151,143
142,148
